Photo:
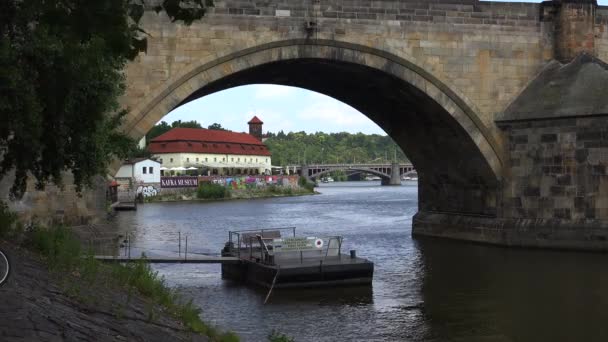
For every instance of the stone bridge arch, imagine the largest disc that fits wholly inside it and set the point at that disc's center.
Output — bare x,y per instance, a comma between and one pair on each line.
360,169
458,160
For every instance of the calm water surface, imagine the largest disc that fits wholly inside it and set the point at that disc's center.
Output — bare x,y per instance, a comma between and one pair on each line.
423,290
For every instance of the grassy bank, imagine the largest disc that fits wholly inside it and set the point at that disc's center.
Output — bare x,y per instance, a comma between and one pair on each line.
82,277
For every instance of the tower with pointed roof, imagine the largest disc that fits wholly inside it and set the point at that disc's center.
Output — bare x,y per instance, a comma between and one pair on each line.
255,127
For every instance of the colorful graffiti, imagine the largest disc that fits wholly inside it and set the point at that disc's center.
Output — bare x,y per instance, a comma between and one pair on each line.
147,190
252,182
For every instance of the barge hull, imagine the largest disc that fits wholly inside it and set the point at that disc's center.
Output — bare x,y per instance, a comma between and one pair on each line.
339,272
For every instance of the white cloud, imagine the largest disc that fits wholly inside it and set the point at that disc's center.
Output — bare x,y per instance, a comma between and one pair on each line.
330,112
267,91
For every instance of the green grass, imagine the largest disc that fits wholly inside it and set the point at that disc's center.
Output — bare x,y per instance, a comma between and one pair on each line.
63,253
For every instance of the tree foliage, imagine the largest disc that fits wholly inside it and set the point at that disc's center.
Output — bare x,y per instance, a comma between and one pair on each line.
216,126
60,81
300,148
163,127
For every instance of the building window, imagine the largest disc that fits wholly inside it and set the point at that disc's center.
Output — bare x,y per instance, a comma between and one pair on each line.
187,160
256,160
171,160
232,159
206,159
250,160
238,160
223,158
197,160
151,170
161,160
214,159
143,170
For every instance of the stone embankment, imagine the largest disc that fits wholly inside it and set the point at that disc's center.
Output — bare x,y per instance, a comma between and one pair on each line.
35,306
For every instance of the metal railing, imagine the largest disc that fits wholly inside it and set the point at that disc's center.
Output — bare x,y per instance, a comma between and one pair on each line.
259,244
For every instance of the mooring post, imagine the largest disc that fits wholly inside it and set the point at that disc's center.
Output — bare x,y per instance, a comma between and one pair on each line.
129,244
179,248
186,252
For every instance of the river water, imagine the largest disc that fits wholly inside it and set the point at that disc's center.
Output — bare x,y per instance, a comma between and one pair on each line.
423,289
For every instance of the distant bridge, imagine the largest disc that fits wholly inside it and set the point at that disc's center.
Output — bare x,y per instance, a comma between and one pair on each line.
390,173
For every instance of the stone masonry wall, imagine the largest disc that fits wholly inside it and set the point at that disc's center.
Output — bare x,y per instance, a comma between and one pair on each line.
559,169
486,52
601,33
55,205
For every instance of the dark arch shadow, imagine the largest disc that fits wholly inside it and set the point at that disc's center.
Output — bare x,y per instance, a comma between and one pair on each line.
454,176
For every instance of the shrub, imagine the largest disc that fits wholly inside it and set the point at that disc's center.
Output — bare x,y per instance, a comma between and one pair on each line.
275,336
8,221
305,184
210,190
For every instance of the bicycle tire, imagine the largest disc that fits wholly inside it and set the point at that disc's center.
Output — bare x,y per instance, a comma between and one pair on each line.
5,267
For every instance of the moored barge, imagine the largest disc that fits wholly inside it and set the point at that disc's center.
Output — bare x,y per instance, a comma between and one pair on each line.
277,258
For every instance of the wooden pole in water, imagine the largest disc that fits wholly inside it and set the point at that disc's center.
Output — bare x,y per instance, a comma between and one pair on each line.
186,252
273,282
129,243
179,250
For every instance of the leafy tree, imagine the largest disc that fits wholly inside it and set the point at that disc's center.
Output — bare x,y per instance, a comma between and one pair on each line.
319,147
159,129
186,124
216,126
163,127
60,81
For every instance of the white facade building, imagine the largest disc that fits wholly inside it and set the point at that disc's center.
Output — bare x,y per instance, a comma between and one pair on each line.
141,170
212,152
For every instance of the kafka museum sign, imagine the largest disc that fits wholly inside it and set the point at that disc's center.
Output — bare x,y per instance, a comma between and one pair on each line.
178,182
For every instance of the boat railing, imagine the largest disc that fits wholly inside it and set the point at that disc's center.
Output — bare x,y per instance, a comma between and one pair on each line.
247,238
271,250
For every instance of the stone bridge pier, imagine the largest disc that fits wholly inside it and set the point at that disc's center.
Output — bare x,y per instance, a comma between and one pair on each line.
395,176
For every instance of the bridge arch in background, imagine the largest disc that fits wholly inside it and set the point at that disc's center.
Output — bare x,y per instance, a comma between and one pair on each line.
370,171
458,161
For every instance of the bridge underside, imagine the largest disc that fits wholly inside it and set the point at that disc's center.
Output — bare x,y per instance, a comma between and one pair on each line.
453,175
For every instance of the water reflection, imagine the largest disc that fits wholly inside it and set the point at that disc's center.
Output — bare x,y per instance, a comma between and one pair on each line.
484,293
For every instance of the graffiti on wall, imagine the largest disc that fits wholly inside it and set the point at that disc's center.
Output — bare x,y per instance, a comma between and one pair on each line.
252,182
147,190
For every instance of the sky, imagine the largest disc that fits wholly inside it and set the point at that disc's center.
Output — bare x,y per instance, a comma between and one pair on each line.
280,107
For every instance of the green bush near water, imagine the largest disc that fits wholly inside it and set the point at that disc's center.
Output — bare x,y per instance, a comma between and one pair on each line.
210,190
305,184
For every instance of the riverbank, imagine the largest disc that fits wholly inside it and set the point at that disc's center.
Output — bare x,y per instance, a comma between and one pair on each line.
37,304
57,290
232,195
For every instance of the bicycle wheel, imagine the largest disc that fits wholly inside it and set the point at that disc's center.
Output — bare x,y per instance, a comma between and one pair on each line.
5,267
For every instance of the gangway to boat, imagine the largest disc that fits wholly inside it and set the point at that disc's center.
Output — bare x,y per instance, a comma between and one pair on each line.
193,259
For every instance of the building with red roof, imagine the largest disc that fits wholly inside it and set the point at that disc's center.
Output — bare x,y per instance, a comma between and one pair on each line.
212,152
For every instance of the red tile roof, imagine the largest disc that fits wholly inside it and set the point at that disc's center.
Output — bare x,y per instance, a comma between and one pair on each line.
255,120
197,140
